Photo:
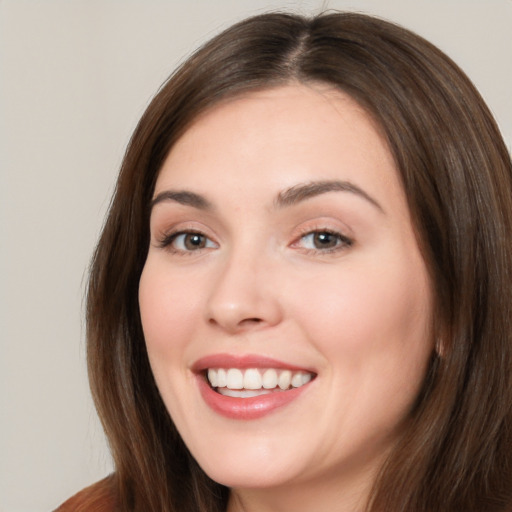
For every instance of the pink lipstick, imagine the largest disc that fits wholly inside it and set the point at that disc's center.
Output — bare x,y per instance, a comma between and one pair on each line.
249,387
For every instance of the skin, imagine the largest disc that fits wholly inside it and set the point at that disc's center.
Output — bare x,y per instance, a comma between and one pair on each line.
358,313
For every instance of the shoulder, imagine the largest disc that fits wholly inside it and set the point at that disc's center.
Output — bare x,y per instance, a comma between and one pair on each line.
98,497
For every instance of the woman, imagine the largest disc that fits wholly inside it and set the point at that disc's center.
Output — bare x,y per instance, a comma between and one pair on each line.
301,298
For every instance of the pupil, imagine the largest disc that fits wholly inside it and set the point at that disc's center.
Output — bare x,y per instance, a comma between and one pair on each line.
194,241
325,240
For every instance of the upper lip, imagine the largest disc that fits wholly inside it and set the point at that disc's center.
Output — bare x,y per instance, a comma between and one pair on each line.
243,362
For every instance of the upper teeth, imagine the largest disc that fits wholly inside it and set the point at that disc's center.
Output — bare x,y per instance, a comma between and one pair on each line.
253,378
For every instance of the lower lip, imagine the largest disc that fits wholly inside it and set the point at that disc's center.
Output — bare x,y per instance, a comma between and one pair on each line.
246,408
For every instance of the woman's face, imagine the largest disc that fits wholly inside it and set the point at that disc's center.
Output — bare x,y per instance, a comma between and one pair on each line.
282,255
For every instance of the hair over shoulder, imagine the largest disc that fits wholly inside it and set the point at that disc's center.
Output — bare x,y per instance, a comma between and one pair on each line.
99,497
455,453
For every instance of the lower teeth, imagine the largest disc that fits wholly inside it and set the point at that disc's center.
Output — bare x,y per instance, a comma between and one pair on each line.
243,393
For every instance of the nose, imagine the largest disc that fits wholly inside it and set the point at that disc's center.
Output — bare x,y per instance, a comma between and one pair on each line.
244,296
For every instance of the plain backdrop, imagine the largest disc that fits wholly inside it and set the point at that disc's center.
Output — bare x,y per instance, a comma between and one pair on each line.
75,76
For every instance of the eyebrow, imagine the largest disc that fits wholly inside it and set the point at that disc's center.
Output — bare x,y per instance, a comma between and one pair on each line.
183,197
304,191
288,197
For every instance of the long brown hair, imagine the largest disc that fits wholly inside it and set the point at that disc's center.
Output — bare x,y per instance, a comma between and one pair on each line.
456,452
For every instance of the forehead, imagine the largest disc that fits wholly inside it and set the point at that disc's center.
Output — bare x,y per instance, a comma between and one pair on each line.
280,136
304,107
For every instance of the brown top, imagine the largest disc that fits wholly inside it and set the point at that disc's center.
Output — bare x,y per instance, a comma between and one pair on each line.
98,497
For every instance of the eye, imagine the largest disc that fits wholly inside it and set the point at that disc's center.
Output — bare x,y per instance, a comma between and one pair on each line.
187,241
324,240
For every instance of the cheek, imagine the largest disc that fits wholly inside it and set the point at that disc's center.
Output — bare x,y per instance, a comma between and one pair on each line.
373,330
168,309
358,311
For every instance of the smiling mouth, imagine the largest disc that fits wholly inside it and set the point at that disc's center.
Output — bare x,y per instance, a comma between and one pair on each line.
252,382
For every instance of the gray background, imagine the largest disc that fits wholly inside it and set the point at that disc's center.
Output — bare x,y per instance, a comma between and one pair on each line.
75,77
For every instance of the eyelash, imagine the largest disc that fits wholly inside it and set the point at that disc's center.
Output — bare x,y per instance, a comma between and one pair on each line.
342,243
168,240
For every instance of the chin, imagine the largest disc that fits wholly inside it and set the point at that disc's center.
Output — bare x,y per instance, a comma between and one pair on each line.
240,476
257,467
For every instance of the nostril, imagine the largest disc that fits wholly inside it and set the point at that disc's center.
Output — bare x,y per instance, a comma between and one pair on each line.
250,321
245,322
